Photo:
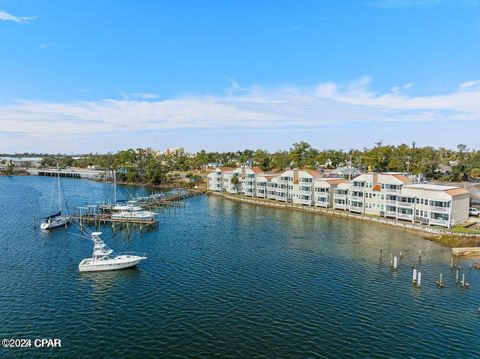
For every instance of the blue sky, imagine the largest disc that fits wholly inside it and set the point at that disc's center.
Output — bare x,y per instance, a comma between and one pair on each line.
104,75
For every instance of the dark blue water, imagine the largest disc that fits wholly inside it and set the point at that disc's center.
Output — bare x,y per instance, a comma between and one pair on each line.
225,279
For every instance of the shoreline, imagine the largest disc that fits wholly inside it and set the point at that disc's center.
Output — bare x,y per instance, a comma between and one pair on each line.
443,237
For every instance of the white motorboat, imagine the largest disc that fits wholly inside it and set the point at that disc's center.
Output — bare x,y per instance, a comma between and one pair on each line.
126,207
145,215
58,219
103,258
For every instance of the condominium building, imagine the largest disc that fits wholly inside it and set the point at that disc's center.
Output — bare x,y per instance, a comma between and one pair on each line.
433,204
376,193
215,179
323,191
383,194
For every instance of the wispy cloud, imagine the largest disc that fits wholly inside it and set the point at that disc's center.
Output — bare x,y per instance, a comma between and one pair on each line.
146,95
45,46
253,109
5,16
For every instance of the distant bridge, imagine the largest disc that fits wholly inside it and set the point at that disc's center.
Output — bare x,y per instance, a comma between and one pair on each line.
70,172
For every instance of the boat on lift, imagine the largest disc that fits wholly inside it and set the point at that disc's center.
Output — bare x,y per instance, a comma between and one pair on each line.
140,215
103,258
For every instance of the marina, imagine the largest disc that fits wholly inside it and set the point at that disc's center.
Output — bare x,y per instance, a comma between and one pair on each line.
136,211
279,282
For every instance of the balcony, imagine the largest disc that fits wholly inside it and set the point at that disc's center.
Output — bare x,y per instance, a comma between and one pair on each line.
321,204
356,198
420,219
439,222
340,196
339,206
355,209
303,201
391,213
406,216
357,188
391,191
439,209
404,204
391,202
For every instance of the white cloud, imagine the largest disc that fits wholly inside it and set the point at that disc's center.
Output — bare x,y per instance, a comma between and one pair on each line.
325,106
5,16
469,85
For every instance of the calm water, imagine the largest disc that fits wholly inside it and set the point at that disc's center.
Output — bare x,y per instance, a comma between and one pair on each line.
224,279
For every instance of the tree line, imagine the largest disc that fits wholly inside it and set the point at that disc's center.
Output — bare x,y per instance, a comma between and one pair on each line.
146,165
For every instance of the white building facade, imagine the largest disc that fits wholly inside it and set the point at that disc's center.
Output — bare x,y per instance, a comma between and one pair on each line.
388,195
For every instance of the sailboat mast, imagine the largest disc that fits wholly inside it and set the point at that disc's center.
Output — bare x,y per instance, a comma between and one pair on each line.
59,192
114,186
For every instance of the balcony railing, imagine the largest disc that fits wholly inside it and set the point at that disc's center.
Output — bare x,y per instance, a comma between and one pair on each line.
340,205
405,204
404,216
340,196
391,190
356,198
357,188
391,201
391,213
439,222
439,209
420,219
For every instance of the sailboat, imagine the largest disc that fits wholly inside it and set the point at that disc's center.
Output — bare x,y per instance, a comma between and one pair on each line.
103,258
55,220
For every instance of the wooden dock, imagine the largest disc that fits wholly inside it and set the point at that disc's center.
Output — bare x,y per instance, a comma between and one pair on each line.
93,215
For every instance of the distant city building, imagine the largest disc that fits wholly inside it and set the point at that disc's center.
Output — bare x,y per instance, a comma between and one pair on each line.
27,162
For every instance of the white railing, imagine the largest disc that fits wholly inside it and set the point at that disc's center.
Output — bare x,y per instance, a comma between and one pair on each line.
404,204
340,196
357,188
304,201
391,213
439,222
391,201
439,209
391,190
355,209
356,198
340,206
405,216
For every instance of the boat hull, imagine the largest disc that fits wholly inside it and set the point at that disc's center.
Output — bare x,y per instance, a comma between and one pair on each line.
53,224
87,265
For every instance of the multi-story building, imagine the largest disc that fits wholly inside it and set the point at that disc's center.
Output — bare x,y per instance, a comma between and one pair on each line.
433,204
263,185
383,194
340,196
323,191
247,180
376,193
215,179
